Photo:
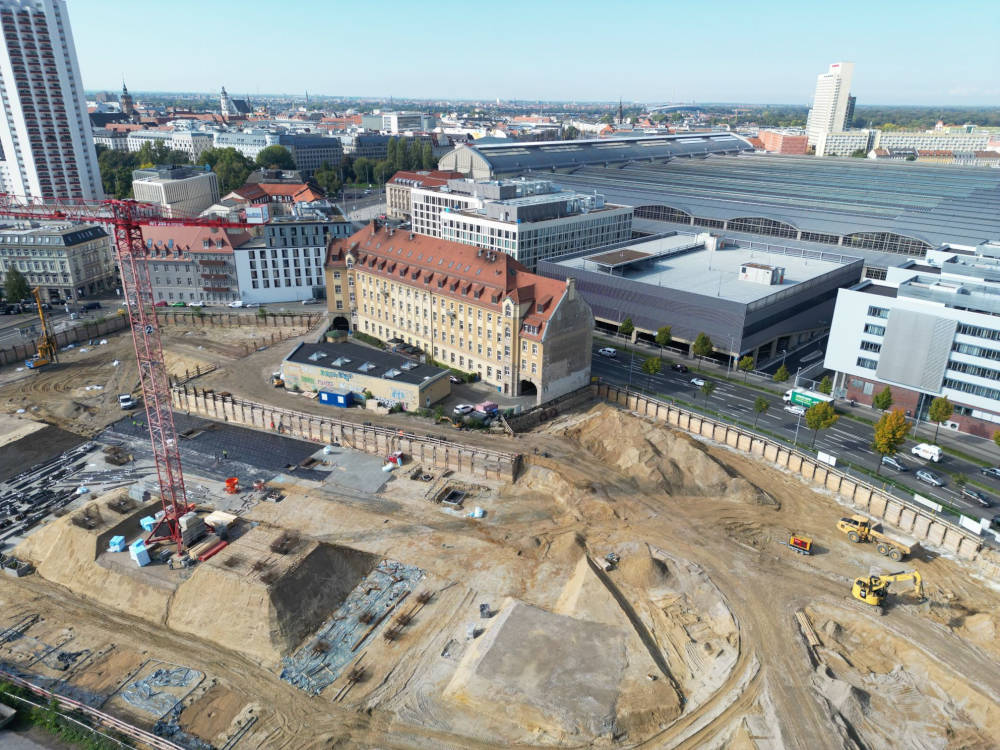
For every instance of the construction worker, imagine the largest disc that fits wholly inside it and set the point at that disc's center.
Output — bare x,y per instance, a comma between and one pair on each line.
225,455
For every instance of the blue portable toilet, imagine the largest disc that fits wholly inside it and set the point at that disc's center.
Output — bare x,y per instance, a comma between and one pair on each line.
117,544
341,398
147,523
138,552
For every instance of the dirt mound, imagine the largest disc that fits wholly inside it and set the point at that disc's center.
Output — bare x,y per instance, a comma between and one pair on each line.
65,552
657,457
279,602
640,569
567,548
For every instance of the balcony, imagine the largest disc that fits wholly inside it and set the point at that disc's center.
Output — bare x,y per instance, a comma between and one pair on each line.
223,289
215,276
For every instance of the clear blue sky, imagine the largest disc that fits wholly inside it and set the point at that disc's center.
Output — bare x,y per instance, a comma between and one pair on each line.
914,52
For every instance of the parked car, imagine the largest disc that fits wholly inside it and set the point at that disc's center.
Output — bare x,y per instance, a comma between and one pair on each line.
608,351
679,367
930,478
237,303
91,306
697,382
892,462
991,471
976,496
455,379
795,409
161,303
199,303
178,304
252,304
463,409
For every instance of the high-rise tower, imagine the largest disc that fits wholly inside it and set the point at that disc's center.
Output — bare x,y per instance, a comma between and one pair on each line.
830,102
48,145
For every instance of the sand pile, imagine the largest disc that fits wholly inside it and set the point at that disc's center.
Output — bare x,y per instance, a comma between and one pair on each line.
640,569
266,610
66,553
657,457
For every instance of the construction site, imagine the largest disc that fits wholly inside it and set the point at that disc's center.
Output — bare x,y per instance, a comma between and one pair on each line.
230,565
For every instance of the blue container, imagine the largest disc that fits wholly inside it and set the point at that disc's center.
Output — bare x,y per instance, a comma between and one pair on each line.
117,544
147,523
137,551
335,398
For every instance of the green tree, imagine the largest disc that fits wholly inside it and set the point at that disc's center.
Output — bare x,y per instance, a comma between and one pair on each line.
940,411
383,171
328,179
230,166
707,388
859,153
570,133
781,375
820,416
364,169
116,172
890,434
427,156
16,286
825,385
157,152
626,327
745,365
664,337
651,366
275,157
760,406
393,155
996,438
702,346
883,399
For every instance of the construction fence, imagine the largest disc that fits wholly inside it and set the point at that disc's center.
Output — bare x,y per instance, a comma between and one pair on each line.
195,318
908,516
82,331
369,438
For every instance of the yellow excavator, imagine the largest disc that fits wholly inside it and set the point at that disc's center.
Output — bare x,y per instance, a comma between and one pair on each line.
46,344
874,589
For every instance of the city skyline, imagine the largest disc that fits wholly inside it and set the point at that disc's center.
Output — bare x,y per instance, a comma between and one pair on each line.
675,54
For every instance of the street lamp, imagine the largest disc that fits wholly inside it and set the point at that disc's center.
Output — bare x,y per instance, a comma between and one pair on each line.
783,353
798,423
630,363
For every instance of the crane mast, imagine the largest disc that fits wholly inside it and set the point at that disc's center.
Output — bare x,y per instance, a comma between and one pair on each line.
126,218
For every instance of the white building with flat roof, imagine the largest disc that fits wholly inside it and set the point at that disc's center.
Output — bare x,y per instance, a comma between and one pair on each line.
182,191
930,329
45,133
530,220
831,101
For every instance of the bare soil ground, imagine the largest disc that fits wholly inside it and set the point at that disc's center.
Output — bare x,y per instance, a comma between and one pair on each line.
692,640
80,392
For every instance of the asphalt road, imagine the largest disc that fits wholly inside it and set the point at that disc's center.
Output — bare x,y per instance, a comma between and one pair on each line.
848,439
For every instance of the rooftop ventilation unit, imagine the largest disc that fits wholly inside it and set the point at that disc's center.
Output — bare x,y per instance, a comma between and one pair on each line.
366,367
392,373
408,365
316,356
340,362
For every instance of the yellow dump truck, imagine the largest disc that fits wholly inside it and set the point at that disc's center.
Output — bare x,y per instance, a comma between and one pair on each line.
859,529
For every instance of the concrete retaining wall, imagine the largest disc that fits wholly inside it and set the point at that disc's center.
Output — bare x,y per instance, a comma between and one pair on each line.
916,521
424,450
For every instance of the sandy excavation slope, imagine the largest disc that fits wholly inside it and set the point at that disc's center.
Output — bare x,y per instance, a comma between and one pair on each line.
691,641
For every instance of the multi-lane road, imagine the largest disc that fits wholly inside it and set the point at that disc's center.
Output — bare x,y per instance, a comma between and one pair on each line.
848,440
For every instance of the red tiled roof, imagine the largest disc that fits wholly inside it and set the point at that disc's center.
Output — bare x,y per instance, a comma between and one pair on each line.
298,192
462,272
935,152
426,178
190,240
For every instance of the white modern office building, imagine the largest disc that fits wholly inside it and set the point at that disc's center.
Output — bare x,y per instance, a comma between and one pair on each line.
930,329
182,191
529,219
398,122
45,134
191,142
285,263
831,101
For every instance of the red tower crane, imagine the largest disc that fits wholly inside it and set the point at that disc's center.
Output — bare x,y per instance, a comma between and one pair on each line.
126,218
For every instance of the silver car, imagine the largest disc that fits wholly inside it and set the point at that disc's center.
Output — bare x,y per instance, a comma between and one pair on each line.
930,478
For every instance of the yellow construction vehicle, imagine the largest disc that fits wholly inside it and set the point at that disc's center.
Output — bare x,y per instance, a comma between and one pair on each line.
46,344
859,529
276,380
873,590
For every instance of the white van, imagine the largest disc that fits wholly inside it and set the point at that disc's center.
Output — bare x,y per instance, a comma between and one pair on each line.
927,452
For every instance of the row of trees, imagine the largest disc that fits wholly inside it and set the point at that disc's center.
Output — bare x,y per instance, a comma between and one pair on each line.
888,436
230,166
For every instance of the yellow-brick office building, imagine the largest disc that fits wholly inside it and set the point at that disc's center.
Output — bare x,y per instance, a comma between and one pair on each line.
470,309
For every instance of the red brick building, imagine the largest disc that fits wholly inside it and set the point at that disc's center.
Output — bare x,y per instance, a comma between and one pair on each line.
784,142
